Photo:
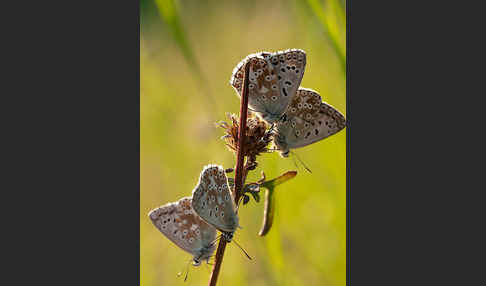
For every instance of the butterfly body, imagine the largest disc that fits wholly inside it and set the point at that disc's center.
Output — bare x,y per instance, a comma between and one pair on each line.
306,121
299,115
180,224
213,201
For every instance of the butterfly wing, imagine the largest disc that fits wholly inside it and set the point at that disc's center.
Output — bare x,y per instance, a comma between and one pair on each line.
307,120
289,66
213,201
180,224
263,88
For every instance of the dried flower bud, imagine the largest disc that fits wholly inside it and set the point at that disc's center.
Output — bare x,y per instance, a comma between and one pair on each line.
257,136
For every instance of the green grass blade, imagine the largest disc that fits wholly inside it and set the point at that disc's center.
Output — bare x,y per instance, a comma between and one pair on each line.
330,27
170,15
279,180
269,208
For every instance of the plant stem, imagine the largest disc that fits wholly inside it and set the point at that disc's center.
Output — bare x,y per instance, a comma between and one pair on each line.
240,160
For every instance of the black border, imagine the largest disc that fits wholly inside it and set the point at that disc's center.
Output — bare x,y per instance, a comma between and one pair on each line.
72,106
71,114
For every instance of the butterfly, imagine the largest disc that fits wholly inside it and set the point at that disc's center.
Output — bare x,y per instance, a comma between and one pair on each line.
273,81
179,223
307,120
213,201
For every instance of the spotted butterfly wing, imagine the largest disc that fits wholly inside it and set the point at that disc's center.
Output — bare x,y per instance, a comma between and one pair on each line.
307,121
273,81
262,88
213,201
290,67
180,224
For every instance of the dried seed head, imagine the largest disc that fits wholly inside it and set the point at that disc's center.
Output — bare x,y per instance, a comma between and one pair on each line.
257,135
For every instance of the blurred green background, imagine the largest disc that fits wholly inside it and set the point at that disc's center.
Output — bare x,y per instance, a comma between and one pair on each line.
188,50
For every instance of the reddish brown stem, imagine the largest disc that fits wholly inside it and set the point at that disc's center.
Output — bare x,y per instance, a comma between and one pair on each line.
240,160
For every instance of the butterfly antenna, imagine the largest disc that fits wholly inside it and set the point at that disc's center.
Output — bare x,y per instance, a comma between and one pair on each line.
242,249
302,162
271,127
207,261
295,162
187,271
207,267
214,241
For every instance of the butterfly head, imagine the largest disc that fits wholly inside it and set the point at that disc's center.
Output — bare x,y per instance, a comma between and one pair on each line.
285,153
204,254
228,236
196,262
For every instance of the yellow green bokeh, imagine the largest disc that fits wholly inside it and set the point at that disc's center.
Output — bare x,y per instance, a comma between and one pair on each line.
179,104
